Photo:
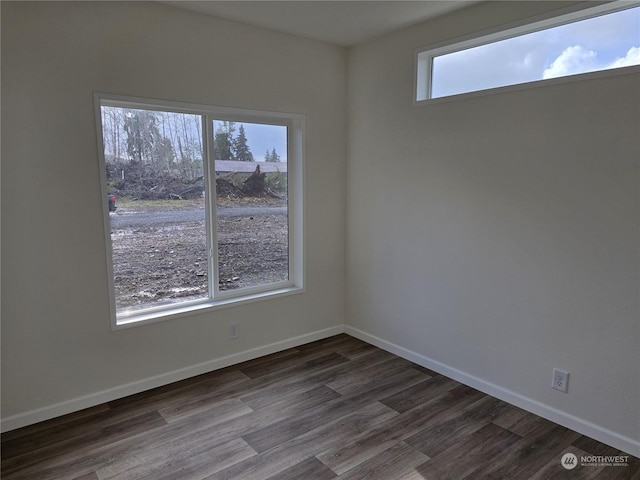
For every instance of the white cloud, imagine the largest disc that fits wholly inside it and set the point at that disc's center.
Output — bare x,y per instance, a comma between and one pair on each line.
572,60
577,59
595,44
632,58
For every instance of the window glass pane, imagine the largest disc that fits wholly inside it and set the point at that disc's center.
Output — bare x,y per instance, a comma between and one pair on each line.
594,44
155,181
252,204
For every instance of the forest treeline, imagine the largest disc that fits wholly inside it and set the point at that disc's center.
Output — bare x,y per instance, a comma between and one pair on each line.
159,155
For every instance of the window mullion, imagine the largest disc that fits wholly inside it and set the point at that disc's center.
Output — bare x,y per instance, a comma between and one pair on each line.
212,230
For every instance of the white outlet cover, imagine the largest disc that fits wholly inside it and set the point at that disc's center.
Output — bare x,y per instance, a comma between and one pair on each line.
234,331
560,380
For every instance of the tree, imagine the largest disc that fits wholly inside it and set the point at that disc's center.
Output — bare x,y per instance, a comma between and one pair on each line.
163,154
272,157
146,146
142,134
113,135
185,133
223,141
240,148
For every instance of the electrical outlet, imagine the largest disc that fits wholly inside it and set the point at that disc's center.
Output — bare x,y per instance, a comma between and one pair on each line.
234,331
560,380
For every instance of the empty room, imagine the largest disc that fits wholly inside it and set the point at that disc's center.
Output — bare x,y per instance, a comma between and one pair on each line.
320,239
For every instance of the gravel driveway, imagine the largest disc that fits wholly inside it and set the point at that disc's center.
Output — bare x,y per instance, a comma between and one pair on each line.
161,256
128,219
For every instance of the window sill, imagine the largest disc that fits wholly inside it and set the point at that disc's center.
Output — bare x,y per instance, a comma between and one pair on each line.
634,69
145,317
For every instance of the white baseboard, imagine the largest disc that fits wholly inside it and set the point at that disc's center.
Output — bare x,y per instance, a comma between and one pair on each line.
565,419
91,400
582,426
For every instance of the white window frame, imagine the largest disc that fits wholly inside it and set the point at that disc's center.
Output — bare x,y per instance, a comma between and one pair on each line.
218,299
423,56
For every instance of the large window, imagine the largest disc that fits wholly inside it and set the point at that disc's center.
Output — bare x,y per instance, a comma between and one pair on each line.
203,206
603,38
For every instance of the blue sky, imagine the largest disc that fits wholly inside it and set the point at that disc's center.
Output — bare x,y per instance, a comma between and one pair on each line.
261,137
608,41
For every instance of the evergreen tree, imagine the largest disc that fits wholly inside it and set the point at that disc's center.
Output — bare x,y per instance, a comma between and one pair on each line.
272,157
145,144
223,143
142,134
240,148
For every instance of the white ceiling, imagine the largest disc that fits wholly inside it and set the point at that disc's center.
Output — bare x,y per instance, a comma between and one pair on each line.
344,23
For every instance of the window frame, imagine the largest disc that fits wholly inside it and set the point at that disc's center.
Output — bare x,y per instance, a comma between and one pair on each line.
217,298
423,56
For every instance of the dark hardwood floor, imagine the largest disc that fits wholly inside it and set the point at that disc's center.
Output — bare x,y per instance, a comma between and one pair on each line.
336,408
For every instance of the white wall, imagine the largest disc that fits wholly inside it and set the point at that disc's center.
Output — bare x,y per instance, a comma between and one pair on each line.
58,353
495,238
502,243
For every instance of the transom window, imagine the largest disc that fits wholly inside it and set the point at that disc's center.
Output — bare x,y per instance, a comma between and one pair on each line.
603,38
202,206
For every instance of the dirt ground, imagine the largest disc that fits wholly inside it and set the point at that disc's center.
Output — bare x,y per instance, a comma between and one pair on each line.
164,262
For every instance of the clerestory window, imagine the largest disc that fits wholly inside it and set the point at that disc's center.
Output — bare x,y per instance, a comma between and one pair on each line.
202,206
605,38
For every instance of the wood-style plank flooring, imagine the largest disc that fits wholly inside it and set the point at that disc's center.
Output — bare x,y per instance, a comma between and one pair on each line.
337,408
